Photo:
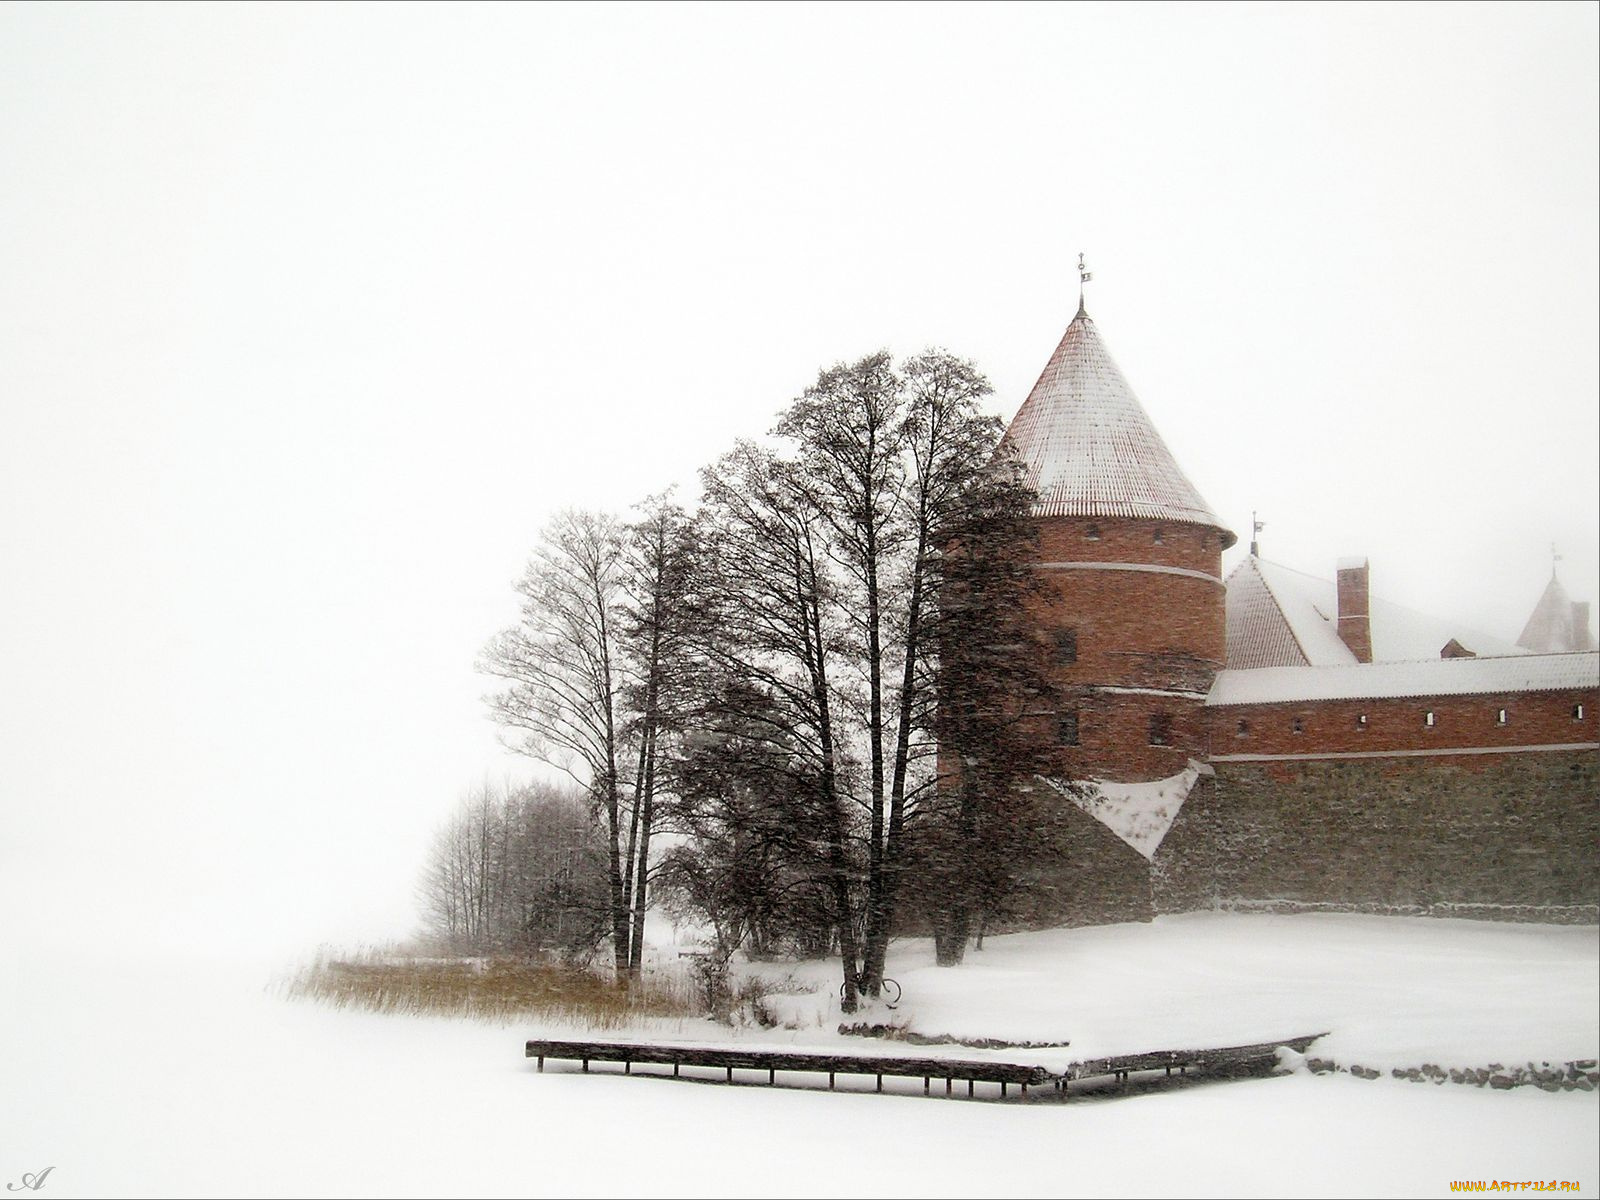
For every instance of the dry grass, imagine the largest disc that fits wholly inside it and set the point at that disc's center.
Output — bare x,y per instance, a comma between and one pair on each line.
489,988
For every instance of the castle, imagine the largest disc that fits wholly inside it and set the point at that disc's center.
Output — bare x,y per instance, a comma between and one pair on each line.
1271,740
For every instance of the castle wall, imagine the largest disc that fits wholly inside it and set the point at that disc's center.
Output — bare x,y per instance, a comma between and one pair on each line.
1080,873
1507,836
1401,724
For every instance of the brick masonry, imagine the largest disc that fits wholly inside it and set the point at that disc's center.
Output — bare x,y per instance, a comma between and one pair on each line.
1135,634
1509,835
1337,726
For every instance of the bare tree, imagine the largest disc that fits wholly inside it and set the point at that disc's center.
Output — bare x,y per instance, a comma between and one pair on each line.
516,869
825,573
983,688
899,461
770,626
659,552
562,665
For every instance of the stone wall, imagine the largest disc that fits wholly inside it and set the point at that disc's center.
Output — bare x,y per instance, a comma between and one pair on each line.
1496,836
1080,874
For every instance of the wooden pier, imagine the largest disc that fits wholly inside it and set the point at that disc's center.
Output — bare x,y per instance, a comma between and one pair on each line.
1209,1062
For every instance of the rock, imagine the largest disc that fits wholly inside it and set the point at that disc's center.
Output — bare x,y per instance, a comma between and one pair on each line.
1290,1061
1502,1082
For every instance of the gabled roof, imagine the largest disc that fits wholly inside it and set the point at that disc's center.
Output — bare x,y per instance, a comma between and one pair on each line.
1088,446
1280,617
1440,677
1553,627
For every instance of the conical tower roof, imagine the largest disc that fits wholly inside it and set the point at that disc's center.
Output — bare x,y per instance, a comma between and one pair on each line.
1089,448
1554,626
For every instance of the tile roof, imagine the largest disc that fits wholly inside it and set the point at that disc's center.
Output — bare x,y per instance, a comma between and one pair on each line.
1438,677
1089,447
1280,617
1260,631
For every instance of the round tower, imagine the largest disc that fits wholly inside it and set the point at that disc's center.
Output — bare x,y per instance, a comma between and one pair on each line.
1131,620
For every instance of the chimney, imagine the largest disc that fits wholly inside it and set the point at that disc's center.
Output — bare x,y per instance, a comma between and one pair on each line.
1355,623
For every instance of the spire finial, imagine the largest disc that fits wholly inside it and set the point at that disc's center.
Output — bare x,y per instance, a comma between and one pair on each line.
1083,278
1555,557
1256,526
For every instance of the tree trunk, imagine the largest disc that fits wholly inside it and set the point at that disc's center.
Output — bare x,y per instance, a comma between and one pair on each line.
950,940
646,807
877,916
877,948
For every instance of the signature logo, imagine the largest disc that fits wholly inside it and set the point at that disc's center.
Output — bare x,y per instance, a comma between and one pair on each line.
30,1182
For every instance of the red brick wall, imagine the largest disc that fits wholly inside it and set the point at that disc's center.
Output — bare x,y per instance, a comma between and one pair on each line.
1331,726
1134,629
1355,622
1130,540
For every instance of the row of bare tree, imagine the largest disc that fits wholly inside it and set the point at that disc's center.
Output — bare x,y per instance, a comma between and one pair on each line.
816,683
517,869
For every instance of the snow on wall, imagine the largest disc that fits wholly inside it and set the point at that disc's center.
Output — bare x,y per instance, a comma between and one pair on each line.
1138,813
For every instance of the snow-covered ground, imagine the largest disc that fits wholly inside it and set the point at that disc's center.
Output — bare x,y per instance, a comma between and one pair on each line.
183,1077
1388,991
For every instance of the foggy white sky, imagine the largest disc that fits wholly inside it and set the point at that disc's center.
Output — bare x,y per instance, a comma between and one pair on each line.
311,316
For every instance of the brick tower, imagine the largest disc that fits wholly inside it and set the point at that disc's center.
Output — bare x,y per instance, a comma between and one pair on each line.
1134,633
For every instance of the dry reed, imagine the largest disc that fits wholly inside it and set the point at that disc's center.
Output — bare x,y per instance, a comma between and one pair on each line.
490,988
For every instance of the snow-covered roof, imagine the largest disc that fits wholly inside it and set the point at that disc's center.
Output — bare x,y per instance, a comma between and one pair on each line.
1435,677
1280,617
1554,627
1088,446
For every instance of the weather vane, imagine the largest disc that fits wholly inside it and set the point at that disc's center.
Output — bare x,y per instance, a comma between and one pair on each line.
1256,526
1083,278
